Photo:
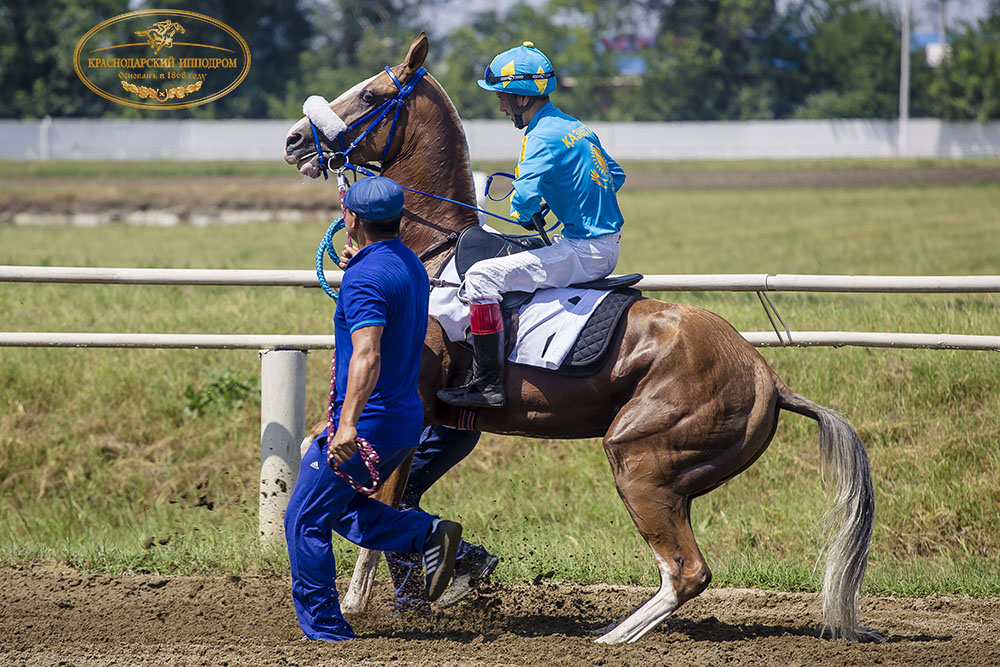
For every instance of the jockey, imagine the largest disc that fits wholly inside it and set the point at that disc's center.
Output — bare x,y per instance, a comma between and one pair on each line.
563,165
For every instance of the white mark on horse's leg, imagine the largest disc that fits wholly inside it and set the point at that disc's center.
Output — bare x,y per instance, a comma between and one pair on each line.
649,615
359,593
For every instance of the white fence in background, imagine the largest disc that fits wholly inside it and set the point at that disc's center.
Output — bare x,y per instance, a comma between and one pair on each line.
283,368
190,139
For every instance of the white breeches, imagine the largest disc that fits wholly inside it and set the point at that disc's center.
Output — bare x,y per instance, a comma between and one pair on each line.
565,262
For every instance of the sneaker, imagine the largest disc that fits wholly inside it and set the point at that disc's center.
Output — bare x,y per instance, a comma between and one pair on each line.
470,571
439,557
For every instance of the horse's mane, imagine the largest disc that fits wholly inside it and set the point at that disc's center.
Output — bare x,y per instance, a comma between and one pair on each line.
465,165
440,166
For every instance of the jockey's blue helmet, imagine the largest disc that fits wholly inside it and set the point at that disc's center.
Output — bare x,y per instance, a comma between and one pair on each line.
523,70
375,198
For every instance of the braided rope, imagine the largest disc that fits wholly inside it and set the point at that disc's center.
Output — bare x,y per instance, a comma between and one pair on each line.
326,246
368,453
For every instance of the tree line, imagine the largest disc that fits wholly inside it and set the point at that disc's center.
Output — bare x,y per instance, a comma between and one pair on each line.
700,59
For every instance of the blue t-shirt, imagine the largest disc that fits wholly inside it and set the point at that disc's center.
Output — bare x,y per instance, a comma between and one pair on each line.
562,162
385,285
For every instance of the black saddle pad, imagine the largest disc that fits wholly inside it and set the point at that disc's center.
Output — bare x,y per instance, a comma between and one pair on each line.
591,348
592,345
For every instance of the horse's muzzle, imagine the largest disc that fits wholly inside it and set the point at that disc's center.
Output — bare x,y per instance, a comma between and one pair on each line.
295,148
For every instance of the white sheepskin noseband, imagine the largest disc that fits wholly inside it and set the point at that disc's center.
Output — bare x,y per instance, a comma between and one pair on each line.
326,120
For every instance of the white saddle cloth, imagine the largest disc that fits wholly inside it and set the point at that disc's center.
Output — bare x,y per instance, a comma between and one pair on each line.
547,326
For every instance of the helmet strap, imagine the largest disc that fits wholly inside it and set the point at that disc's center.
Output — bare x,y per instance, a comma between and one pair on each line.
519,110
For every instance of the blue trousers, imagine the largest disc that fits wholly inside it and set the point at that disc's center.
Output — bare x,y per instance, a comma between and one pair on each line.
441,448
322,503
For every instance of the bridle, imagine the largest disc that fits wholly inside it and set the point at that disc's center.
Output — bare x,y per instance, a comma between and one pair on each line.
376,115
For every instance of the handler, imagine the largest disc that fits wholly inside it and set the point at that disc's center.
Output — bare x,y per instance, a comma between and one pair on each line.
380,324
441,448
563,165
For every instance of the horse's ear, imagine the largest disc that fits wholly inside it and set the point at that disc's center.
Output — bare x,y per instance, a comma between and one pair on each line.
417,54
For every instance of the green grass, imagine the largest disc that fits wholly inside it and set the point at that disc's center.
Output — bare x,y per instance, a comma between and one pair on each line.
97,455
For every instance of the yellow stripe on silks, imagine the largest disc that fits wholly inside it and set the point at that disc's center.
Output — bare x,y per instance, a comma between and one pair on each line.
517,167
517,171
508,70
541,83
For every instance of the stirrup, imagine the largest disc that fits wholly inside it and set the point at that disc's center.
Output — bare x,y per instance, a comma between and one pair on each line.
471,396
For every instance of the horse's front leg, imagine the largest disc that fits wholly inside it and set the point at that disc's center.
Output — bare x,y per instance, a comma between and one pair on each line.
359,593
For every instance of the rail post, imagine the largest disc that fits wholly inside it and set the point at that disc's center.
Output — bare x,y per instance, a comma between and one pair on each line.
282,427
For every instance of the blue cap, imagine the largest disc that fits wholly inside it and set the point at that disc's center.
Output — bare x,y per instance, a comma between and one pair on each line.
523,70
375,198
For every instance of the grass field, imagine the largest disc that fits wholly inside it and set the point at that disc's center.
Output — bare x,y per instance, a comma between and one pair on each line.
144,460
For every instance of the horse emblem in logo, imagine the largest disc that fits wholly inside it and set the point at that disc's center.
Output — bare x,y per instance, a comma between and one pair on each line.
600,173
161,34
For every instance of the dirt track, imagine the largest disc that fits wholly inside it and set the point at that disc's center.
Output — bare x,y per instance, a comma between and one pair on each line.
51,616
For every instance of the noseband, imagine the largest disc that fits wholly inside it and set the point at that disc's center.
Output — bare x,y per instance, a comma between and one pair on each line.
376,115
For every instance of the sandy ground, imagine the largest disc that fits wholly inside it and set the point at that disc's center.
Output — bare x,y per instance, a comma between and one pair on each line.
54,616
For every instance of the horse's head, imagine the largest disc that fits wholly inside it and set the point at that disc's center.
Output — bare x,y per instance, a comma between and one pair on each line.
336,129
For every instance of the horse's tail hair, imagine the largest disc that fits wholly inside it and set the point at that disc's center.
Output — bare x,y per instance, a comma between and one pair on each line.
844,468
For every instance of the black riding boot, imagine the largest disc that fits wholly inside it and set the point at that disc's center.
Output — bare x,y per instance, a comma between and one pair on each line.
486,388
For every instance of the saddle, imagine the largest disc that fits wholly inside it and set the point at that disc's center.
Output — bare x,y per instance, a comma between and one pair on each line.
475,244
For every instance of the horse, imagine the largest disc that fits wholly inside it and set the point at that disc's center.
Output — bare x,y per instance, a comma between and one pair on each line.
161,34
683,402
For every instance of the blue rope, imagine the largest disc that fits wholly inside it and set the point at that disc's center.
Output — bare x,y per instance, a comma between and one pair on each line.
369,172
326,245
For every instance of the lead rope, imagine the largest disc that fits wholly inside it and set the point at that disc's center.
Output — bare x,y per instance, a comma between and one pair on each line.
368,453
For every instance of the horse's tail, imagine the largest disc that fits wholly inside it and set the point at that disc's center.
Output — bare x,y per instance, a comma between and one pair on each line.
843,465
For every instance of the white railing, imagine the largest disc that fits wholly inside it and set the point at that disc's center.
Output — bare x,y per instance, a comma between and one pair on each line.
728,282
283,378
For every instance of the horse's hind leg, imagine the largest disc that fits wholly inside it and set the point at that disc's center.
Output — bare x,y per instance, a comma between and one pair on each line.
661,514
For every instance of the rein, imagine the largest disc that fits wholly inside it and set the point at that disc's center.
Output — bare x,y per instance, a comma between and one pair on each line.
379,113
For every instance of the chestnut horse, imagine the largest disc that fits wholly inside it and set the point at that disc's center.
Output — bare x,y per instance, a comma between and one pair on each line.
683,402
